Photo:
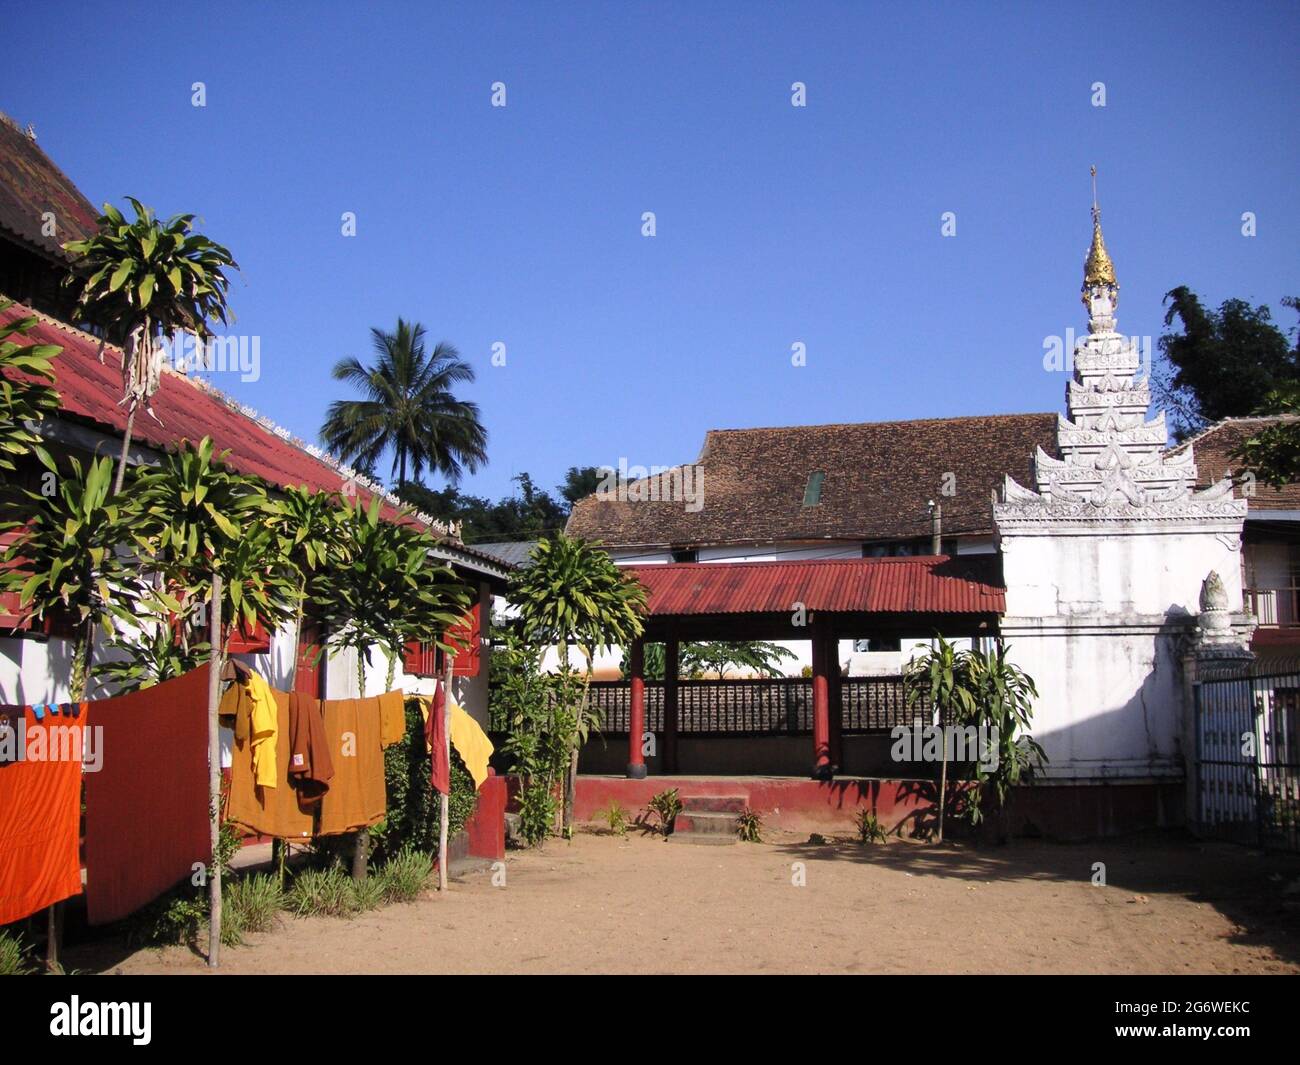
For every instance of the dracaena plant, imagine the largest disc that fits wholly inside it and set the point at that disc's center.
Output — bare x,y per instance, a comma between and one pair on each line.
572,593
386,590
306,523
200,518
72,557
146,280
984,689
26,374
155,648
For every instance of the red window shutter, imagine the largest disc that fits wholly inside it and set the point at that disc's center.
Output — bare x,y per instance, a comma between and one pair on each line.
413,656
249,641
465,638
309,678
11,614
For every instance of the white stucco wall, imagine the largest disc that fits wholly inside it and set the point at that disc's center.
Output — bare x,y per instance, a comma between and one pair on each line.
1099,621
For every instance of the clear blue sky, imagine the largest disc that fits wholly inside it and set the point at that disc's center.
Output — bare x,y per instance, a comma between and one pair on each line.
775,224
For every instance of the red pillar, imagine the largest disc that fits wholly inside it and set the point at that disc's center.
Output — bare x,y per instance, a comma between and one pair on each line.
821,704
636,712
835,689
671,664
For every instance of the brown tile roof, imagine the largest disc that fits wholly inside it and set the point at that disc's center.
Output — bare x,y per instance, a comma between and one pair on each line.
30,184
1213,448
879,477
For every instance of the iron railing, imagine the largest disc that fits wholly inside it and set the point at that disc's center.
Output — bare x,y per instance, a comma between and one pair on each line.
1248,755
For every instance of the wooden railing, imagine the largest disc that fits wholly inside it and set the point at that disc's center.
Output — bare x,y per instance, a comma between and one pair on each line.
779,706
1274,607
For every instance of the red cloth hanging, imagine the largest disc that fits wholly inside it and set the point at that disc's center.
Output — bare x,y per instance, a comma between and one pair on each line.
435,732
147,807
40,808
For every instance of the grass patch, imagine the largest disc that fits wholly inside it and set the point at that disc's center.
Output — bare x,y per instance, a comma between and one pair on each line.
325,892
252,903
13,956
404,875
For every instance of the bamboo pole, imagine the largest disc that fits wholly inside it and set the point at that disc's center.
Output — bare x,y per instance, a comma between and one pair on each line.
443,812
215,666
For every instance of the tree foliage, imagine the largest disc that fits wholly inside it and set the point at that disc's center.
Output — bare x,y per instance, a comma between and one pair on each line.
26,374
572,593
1223,364
408,409
67,557
384,589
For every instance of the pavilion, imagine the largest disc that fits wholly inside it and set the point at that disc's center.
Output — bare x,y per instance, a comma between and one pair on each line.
822,600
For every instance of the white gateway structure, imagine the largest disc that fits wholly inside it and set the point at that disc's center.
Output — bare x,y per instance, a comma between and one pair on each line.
1104,561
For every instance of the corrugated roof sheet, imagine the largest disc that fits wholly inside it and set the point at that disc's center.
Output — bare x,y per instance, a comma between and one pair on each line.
514,552
925,585
91,390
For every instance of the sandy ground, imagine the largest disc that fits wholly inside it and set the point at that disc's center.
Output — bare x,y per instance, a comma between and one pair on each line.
602,904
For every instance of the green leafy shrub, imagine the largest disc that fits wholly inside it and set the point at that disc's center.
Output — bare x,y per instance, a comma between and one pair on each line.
526,705
665,806
13,956
538,806
404,875
749,826
615,816
870,830
413,807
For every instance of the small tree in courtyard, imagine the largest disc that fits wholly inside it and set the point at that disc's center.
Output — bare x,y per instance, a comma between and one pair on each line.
984,690
572,594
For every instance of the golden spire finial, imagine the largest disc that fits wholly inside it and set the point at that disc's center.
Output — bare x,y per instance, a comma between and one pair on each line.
1097,268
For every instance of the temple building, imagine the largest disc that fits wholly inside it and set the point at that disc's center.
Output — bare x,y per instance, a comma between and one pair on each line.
1111,568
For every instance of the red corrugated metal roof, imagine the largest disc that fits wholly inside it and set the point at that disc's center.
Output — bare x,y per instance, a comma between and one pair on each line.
91,390
916,585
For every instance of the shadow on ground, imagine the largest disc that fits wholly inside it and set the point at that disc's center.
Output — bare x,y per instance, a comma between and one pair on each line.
1258,892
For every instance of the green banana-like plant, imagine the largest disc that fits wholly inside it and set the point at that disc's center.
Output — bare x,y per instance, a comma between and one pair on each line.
25,400
71,556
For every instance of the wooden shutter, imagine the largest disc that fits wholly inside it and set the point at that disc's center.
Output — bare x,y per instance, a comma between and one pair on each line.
465,639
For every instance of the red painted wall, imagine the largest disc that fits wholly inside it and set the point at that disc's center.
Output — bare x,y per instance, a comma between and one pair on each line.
486,828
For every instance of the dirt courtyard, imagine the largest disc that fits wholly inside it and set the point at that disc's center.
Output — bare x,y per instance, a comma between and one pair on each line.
603,904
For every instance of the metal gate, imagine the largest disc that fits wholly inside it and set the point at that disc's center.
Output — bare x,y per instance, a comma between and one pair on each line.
1248,755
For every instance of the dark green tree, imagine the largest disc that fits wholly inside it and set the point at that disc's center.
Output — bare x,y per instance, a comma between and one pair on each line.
579,481
1223,364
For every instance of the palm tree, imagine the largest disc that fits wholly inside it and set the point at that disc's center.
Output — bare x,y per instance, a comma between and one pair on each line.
408,409
143,281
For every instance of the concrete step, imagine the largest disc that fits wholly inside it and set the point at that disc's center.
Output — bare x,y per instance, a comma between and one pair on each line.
705,824
714,804
703,839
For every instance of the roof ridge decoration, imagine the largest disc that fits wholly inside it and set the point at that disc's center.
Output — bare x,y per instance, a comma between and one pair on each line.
1114,465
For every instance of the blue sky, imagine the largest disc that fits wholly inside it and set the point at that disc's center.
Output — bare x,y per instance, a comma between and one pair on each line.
775,225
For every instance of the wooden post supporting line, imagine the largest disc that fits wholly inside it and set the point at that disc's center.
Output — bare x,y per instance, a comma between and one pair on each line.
215,666
446,795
